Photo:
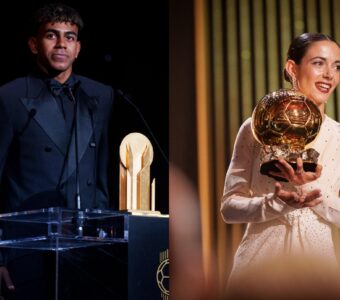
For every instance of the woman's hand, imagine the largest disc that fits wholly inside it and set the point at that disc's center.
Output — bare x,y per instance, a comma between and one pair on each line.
298,176
298,200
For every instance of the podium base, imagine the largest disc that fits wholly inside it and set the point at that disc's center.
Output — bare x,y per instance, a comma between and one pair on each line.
118,256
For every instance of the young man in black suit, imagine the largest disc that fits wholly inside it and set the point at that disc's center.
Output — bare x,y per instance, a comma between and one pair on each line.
53,117
54,125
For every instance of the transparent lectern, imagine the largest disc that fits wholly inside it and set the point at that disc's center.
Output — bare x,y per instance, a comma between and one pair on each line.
84,254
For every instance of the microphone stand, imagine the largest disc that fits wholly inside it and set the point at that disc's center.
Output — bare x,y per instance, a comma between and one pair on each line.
128,100
80,217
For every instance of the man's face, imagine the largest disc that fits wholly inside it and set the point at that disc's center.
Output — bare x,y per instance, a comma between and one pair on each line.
56,46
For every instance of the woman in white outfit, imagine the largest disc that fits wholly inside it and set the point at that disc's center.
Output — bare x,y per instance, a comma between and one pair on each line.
294,217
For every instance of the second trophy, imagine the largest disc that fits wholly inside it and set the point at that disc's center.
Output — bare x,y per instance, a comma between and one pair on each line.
284,122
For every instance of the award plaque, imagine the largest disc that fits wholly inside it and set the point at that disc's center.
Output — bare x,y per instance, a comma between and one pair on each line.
284,122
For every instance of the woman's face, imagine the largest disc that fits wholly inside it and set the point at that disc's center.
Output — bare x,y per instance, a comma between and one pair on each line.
318,73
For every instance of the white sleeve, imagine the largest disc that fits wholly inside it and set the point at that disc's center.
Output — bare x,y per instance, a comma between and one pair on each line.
239,204
329,208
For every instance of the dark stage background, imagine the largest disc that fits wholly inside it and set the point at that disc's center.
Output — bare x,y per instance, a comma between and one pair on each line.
125,45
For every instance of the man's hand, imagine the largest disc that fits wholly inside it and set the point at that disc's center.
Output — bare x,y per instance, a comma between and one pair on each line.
4,276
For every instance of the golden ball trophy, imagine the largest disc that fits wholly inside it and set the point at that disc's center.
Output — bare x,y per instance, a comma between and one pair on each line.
284,122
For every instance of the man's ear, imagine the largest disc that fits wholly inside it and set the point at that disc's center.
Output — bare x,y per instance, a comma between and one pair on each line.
78,48
32,44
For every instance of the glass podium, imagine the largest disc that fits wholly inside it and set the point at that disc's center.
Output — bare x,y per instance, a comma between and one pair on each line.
60,254
44,241
59,229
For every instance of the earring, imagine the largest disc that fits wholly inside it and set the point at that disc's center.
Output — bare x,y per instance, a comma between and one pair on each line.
294,83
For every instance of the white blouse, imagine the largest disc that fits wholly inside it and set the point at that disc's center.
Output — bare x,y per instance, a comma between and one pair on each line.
274,227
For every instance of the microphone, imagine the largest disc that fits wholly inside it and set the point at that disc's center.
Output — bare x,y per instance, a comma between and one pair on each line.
128,99
93,144
73,99
31,115
80,221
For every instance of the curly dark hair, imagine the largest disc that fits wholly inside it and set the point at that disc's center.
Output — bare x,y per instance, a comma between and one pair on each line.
301,44
55,12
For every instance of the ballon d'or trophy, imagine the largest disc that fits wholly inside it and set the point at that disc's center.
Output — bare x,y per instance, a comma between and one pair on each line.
136,194
284,122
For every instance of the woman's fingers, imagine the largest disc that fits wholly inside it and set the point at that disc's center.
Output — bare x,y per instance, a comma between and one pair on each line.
311,198
298,200
299,166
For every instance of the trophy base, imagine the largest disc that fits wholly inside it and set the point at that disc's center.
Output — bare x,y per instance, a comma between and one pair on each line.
270,167
140,212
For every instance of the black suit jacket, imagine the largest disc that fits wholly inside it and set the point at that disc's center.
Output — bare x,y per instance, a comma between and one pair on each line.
37,167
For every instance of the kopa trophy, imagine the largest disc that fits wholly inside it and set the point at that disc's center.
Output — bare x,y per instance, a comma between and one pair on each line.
284,122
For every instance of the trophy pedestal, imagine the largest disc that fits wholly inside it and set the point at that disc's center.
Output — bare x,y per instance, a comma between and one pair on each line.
138,212
270,167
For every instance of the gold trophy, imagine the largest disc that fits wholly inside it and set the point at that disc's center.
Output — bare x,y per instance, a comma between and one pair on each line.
136,193
284,122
